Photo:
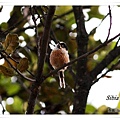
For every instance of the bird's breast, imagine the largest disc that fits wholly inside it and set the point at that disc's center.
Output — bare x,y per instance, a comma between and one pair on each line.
58,58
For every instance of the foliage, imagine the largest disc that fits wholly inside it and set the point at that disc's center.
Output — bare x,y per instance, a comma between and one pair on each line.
21,60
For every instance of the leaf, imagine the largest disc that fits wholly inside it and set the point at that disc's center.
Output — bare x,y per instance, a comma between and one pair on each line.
4,26
102,109
18,104
6,71
16,107
94,12
14,18
6,64
118,106
23,64
90,109
11,42
12,88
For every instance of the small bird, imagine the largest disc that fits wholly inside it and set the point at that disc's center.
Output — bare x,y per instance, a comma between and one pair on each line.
58,57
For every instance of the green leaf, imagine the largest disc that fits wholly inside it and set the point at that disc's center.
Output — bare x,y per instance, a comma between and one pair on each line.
6,71
102,109
62,9
118,106
90,109
4,26
16,107
94,12
12,88
23,64
11,42
18,104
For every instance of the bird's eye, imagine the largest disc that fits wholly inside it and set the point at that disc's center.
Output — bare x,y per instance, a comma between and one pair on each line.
63,45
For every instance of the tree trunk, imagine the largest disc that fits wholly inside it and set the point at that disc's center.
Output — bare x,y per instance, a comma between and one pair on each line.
81,93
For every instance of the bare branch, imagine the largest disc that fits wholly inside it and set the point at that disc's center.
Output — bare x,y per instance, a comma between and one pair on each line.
110,23
10,56
103,19
112,67
64,14
34,20
117,42
23,29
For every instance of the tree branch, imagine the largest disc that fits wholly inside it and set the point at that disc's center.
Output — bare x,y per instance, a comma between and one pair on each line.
64,14
110,23
82,40
41,58
44,43
34,20
112,68
104,63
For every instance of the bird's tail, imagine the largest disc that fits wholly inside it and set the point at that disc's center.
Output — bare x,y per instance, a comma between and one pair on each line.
61,79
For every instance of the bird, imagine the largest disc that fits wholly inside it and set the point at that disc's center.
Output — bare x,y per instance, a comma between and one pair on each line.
58,57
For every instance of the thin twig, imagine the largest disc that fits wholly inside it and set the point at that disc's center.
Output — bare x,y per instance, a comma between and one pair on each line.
22,84
109,30
39,15
10,57
64,14
117,42
23,29
71,72
103,19
31,73
34,20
